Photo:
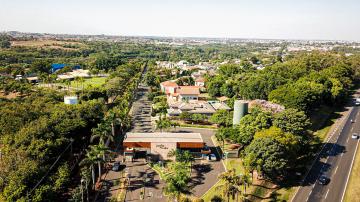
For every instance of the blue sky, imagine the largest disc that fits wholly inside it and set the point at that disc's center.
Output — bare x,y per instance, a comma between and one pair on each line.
280,19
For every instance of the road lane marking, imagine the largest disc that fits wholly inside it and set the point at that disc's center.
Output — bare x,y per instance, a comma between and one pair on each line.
347,140
340,125
342,154
336,169
351,166
326,193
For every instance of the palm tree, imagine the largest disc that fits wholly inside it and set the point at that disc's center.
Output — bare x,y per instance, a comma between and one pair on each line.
100,151
230,187
102,131
176,180
44,78
76,79
172,153
162,123
91,158
188,158
81,80
113,119
67,82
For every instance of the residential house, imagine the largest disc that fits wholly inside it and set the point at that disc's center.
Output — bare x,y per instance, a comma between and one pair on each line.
179,93
195,107
200,82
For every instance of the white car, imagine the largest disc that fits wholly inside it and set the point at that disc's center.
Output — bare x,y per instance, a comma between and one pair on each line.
354,136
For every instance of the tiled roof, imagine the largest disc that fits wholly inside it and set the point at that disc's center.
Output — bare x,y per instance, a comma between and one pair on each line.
189,90
169,84
200,79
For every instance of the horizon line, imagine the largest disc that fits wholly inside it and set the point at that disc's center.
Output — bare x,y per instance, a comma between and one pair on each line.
188,37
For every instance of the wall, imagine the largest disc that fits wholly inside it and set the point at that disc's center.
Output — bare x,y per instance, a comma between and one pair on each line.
162,149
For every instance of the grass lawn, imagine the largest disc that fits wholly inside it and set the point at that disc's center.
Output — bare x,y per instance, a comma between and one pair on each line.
353,187
89,82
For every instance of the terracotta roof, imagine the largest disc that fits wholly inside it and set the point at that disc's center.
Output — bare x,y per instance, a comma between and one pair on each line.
189,90
169,84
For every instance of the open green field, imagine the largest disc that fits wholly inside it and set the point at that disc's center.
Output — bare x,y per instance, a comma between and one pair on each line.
89,82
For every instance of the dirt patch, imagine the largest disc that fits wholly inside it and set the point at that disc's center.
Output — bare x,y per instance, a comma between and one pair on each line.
49,44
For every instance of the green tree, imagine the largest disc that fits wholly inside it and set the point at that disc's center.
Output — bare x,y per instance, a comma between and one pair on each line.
163,123
268,155
4,41
177,179
230,186
91,158
292,121
222,117
101,132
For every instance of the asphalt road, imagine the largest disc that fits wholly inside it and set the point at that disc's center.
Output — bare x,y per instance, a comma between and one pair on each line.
141,121
335,162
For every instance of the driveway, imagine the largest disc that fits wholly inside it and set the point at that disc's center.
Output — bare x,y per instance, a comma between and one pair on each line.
205,173
138,171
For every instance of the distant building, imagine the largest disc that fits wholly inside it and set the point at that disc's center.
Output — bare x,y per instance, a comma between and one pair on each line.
56,67
200,82
196,107
71,100
33,79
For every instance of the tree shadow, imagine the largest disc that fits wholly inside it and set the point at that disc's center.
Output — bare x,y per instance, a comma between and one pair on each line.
199,171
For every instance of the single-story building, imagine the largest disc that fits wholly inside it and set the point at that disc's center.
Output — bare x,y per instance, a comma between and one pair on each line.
196,107
158,145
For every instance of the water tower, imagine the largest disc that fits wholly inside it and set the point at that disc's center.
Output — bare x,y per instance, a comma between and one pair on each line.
240,110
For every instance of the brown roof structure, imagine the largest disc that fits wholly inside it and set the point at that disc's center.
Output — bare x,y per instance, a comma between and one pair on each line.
189,90
183,140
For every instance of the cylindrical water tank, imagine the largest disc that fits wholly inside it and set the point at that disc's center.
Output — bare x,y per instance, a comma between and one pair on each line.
240,110
70,100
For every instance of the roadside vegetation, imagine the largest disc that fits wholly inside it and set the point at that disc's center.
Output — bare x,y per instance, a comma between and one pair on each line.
52,151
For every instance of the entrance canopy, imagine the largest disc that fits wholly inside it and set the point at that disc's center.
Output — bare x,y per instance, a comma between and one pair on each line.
181,140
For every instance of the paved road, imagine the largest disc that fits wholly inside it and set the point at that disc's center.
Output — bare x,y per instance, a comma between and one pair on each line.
205,174
334,161
141,111
138,170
